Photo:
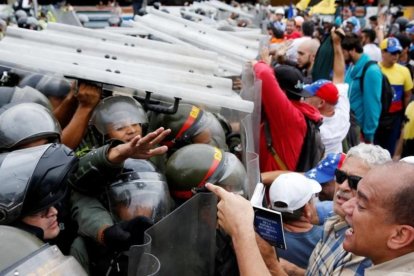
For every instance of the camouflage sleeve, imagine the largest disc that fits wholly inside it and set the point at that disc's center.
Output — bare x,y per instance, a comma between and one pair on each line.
90,215
94,171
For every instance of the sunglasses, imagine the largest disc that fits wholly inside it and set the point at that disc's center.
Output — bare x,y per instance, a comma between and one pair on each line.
353,180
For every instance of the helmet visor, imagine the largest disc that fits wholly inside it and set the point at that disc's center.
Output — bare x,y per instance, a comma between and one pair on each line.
134,198
234,177
16,170
117,112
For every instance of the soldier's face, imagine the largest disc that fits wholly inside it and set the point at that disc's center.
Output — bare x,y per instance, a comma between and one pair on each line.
46,220
124,132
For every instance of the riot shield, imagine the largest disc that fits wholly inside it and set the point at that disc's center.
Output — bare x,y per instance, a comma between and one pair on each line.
47,260
250,126
183,242
141,262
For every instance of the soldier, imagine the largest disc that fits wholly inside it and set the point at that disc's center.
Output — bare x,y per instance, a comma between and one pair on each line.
190,124
30,201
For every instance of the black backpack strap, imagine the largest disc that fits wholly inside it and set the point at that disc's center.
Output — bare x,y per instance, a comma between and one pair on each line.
364,70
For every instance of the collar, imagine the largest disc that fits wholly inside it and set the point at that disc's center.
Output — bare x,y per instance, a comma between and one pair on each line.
403,264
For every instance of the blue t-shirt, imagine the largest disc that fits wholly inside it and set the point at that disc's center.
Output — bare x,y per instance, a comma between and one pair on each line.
300,246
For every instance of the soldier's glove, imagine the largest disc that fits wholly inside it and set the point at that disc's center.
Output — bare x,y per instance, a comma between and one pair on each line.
120,236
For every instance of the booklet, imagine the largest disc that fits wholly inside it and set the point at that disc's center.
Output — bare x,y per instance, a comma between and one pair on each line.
268,223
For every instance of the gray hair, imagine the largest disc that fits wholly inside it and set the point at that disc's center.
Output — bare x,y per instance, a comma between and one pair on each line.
371,154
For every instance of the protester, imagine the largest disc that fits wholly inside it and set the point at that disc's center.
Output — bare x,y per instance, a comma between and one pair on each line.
400,79
292,194
328,257
291,32
330,98
382,221
286,130
368,37
365,101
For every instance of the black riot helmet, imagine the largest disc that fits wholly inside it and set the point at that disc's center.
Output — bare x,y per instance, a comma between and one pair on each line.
19,95
26,122
193,165
42,173
55,86
140,190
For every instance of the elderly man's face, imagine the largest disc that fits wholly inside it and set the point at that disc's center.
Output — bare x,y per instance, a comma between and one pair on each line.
369,218
353,166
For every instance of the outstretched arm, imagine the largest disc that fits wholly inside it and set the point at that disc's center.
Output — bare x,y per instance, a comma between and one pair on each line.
140,147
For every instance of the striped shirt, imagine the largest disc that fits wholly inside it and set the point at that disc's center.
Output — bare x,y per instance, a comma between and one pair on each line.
329,257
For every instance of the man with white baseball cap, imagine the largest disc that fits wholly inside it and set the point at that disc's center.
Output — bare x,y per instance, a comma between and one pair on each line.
292,194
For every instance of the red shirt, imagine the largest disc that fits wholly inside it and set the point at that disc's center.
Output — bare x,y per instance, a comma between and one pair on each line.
286,120
293,35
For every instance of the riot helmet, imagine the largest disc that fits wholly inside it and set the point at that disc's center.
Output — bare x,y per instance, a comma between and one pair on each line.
19,95
26,122
54,86
193,165
117,113
24,254
41,183
140,190
188,125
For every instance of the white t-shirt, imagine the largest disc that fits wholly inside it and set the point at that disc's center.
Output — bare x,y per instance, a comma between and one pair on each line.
373,51
335,128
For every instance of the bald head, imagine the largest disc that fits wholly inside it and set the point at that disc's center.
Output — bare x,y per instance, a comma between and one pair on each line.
307,52
393,184
309,46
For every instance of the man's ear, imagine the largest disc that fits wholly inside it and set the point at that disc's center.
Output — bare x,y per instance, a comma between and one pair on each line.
401,236
321,103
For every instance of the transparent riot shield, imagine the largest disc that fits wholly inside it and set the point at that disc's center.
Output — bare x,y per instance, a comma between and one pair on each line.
183,242
250,126
47,260
141,262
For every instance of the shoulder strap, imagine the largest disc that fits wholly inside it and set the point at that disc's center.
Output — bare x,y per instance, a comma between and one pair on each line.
364,70
269,145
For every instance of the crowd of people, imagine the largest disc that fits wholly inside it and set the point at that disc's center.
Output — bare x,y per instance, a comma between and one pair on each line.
90,170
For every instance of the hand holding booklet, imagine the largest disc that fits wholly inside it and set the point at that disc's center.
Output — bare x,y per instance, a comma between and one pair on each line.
268,223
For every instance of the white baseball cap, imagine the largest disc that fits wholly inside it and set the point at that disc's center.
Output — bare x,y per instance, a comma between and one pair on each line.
293,190
408,159
280,11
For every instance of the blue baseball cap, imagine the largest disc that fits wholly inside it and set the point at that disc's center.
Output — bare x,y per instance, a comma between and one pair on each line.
391,45
410,30
325,170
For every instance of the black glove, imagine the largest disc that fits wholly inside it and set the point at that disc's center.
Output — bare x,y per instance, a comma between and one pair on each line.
120,236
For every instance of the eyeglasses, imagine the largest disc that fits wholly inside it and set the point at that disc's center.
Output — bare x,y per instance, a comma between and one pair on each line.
353,180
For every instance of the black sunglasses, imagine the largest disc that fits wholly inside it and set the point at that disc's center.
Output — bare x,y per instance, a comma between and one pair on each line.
341,176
